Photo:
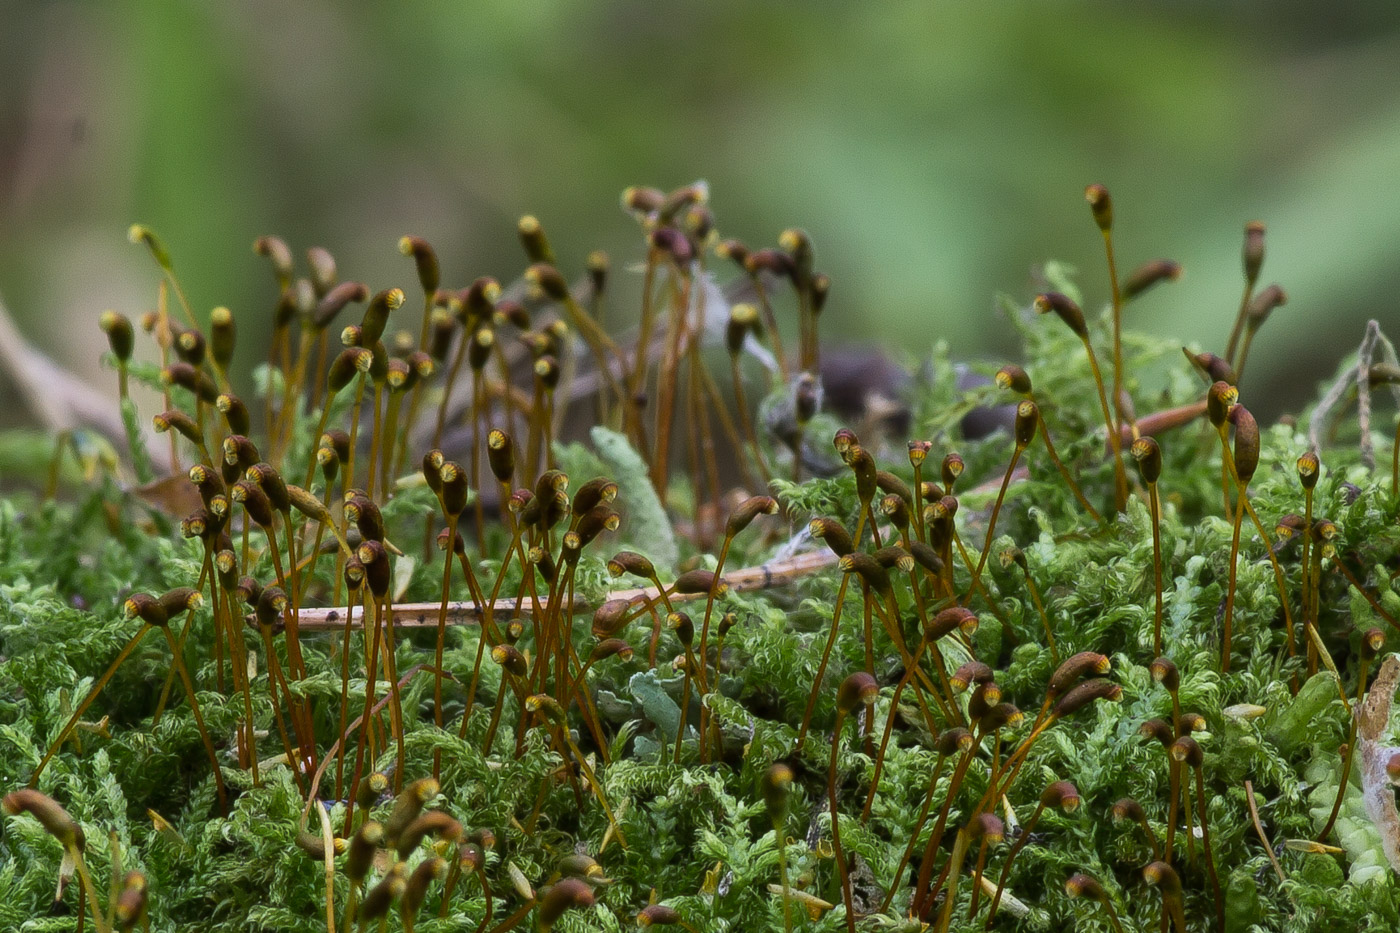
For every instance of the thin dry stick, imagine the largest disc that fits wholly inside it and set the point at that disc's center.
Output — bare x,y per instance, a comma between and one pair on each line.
467,612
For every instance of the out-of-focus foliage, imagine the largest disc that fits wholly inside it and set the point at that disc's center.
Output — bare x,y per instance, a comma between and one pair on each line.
928,147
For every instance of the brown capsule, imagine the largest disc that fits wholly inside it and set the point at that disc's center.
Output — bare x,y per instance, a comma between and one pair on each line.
1082,885
896,510
952,468
987,827
376,317
1246,442
1309,469
1187,723
145,607
181,423
533,240
1264,304
435,823
51,816
399,375
334,301
1084,694
349,363
1165,673
196,381
1148,455
986,695
1126,808
323,270
1027,417
1149,274
1253,253
314,844
681,624
121,337
500,454
747,511
1101,205
773,261
926,557
378,574
859,689
362,849
339,441
597,491
887,482
1014,378
658,915
272,485
360,510
547,372
371,787
733,250
875,576
863,466
1074,668
191,347
699,582
565,894
596,520
547,280
1392,768
611,647
973,672
633,563
1219,399
131,901
416,890
479,350
455,491
272,603
1372,641
1000,716
640,200
837,538
918,452
776,788
1289,526
1061,794
254,501
277,253
510,660
424,260
1065,308
1214,368
382,896
180,600
743,320
479,302
1163,876
1159,730
285,310
407,805
953,741
195,524
235,413
798,245
894,557
844,440
946,621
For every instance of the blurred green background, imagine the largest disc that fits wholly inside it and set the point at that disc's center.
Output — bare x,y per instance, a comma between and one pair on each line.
936,152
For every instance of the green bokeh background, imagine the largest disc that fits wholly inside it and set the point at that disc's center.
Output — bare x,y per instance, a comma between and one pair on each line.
935,151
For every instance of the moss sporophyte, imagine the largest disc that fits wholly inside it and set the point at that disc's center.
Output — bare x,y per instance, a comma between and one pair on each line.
529,606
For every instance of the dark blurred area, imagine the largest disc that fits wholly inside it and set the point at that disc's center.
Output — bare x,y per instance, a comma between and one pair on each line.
936,153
